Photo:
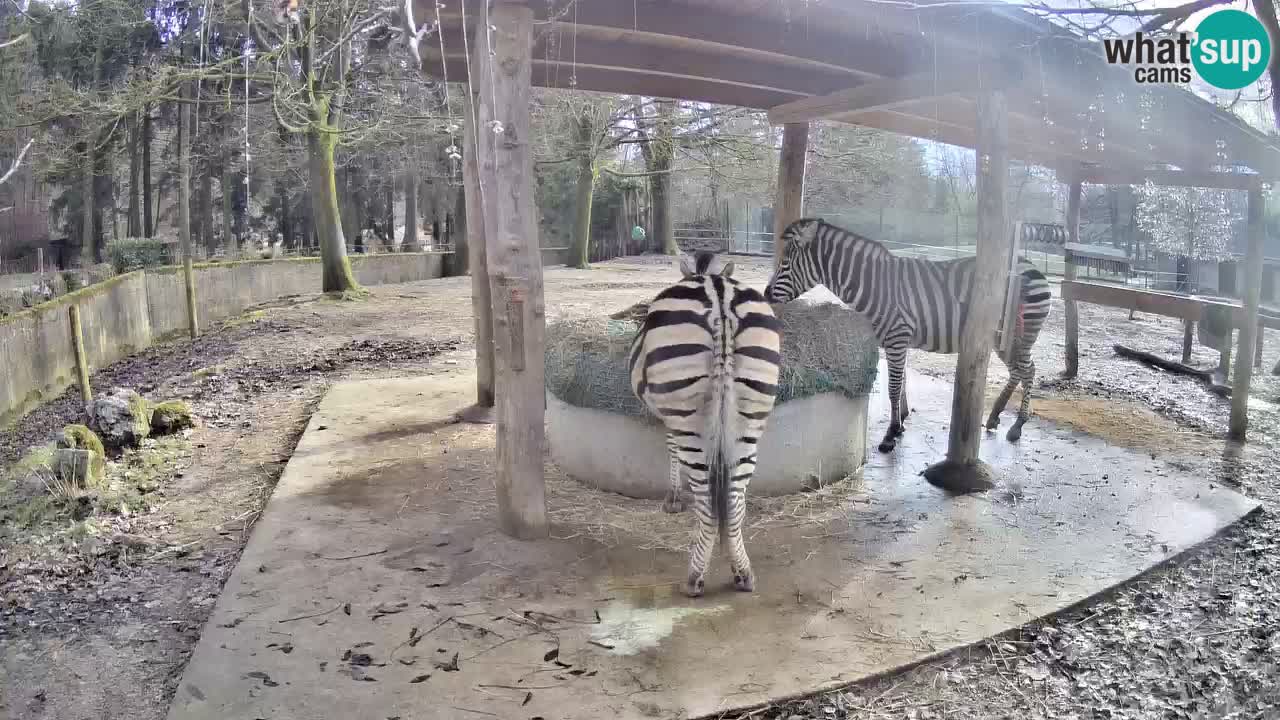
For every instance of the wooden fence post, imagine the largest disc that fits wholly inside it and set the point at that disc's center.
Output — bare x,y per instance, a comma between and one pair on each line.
82,358
1239,424
790,191
962,471
514,266
1069,273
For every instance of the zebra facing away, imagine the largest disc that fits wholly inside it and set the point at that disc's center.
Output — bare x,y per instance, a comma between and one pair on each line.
911,303
705,362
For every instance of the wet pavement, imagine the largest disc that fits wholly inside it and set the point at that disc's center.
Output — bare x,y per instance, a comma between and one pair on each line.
396,600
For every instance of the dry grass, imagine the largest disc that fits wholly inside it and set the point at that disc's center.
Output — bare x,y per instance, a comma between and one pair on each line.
1120,422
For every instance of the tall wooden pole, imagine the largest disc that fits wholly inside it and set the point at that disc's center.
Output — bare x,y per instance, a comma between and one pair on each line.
514,264
962,471
1249,323
789,206
1074,192
477,254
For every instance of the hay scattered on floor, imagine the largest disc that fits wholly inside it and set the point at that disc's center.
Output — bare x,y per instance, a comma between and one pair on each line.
578,511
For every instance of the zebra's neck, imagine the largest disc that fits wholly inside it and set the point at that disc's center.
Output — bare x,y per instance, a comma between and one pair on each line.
849,266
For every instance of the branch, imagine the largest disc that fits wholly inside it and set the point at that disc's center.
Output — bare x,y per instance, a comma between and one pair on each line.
15,41
17,162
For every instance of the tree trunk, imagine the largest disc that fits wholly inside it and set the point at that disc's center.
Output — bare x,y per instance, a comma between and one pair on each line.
459,262
389,219
148,220
184,212
205,222
337,275
86,207
286,222
135,169
580,253
229,239
411,213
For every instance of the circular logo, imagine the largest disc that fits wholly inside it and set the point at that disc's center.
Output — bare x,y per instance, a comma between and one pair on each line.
1232,49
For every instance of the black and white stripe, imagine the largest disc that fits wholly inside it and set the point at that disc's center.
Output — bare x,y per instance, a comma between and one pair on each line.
911,303
705,362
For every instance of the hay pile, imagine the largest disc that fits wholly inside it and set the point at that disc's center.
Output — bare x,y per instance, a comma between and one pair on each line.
825,348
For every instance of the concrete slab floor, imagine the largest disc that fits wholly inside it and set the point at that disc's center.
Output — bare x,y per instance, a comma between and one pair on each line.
371,588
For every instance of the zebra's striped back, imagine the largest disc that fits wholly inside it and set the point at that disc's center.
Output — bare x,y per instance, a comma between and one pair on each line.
927,299
706,361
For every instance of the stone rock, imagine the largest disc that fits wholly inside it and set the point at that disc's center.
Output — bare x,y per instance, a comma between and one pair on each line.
73,467
80,437
170,417
122,418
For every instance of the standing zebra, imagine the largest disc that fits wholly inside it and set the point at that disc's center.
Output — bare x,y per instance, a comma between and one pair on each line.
911,303
705,362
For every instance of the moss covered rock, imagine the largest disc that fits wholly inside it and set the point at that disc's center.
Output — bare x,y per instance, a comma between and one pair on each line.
122,419
80,437
170,417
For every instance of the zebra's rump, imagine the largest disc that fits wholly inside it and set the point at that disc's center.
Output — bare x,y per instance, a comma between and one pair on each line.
700,330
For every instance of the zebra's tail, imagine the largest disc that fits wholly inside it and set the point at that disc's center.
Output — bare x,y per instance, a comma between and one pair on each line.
720,436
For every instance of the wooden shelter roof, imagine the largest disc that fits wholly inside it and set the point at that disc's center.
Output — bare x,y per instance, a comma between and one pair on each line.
919,69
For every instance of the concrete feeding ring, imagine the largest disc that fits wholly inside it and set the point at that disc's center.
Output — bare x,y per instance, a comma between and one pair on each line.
601,435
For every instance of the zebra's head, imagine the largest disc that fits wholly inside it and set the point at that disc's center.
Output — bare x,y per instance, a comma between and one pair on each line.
705,263
793,278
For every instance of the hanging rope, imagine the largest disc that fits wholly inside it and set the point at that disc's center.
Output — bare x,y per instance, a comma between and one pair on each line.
452,151
248,43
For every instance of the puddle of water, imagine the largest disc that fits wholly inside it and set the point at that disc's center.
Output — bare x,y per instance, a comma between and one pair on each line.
630,629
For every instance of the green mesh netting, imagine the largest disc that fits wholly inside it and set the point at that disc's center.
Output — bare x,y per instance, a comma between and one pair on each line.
825,348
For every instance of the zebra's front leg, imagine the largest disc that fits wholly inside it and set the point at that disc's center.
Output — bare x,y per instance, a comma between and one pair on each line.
674,503
705,540
896,358
1028,374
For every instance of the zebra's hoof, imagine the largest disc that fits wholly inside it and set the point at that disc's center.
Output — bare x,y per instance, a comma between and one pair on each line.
1015,433
744,583
673,506
993,423
887,446
694,586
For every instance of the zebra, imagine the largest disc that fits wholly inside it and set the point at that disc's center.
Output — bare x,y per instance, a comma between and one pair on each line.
705,361
911,303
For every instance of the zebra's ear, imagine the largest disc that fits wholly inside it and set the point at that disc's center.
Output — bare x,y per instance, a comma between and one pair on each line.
727,270
688,265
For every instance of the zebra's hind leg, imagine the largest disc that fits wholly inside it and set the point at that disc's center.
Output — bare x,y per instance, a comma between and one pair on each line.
993,420
743,578
674,502
1028,374
705,540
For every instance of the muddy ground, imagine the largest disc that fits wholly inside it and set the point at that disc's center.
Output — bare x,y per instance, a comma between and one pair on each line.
98,615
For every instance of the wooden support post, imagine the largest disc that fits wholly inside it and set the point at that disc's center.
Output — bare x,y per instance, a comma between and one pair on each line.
82,359
962,471
789,206
1188,338
1239,424
514,264
477,253
1069,273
